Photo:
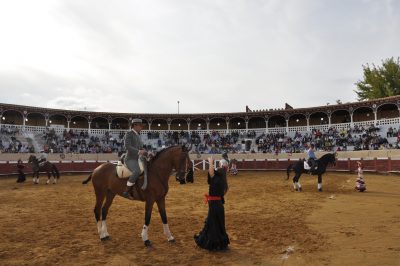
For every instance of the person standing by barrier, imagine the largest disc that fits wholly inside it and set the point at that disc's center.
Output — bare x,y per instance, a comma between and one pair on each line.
233,167
360,182
21,174
213,236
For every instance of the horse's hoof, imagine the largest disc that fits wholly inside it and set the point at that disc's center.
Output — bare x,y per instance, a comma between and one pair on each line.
172,241
299,189
320,190
105,238
147,243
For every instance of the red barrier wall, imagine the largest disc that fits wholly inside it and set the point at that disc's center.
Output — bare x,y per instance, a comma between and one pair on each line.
381,165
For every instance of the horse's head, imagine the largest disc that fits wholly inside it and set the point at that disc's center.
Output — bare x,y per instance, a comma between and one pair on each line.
182,162
335,155
331,158
31,159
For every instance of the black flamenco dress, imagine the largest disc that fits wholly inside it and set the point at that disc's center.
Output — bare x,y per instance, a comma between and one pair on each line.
213,235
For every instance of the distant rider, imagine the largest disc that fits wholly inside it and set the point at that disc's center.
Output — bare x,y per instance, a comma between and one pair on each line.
42,157
312,159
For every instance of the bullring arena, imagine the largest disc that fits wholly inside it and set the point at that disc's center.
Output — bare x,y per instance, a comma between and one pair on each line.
268,222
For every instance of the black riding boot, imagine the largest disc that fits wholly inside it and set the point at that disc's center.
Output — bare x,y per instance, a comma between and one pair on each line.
313,166
128,192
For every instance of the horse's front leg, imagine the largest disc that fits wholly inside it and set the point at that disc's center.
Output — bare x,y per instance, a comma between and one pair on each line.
48,178
320,183
163,214
296,182
147,218
35,177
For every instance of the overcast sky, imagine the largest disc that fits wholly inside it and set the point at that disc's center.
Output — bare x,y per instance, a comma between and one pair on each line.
211,55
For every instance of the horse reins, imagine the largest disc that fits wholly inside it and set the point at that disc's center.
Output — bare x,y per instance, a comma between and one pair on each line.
183,162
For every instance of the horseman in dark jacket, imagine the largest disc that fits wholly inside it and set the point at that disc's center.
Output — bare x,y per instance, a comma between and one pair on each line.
134,151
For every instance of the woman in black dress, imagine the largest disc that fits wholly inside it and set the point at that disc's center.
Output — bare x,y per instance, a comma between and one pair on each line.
213,235
21,174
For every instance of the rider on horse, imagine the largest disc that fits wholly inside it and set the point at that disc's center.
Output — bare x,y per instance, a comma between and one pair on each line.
225,159
312,159
43,157
134,149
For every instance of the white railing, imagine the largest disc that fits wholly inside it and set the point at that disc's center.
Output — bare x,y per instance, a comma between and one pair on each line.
59,130
388,121
341,126
364,123
298,129
320,127
277,130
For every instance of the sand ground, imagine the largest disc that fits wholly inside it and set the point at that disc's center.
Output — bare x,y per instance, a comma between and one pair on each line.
54,224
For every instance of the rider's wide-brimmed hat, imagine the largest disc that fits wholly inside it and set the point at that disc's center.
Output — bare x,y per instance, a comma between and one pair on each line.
137,121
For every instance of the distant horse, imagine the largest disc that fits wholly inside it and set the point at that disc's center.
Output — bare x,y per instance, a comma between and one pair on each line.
47,167
322,163
107,184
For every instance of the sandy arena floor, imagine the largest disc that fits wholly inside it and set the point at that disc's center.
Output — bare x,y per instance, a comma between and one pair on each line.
54,224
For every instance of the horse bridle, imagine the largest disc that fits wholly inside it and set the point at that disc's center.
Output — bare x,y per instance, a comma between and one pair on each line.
183,164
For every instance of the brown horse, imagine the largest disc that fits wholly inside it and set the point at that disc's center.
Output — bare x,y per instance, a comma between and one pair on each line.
106,185
47,167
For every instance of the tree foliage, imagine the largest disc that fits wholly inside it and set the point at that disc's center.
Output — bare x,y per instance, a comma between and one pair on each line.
381,81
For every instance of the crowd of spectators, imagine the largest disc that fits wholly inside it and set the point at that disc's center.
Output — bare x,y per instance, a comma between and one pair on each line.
9,142
357,138
334,139
80,142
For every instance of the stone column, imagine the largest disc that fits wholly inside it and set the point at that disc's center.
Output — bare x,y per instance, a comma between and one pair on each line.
351,111
375,110
188,123
329,118
169,121
227,124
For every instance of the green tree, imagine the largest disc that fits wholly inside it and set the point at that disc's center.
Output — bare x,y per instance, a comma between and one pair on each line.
381,81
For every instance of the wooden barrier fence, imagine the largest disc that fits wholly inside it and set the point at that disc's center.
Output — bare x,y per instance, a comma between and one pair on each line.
379,165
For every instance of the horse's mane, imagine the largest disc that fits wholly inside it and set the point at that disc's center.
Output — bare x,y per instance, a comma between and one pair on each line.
325,156
158,154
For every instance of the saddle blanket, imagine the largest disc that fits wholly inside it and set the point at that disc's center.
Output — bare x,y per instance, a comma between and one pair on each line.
124,172
306,166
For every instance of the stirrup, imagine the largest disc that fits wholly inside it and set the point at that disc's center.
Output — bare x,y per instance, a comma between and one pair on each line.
128,192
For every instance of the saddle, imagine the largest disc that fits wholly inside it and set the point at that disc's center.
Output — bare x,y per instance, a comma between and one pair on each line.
123,171
306,165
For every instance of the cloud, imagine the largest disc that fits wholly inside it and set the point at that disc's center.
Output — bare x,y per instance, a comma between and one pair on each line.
212,56
71,103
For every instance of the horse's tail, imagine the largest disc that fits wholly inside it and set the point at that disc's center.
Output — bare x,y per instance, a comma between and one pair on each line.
87,180
56,171
289,168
